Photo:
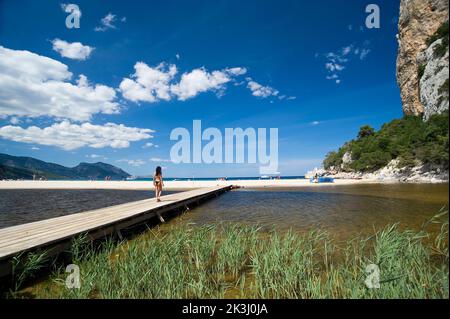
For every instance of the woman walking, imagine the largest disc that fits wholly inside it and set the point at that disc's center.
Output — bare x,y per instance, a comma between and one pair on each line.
158,183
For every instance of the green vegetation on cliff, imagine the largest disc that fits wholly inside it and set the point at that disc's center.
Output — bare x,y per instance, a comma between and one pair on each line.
441,33
410,139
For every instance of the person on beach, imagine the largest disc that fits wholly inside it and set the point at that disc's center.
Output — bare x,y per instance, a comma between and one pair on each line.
158,183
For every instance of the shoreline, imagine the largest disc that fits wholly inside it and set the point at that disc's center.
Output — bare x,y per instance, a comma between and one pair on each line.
179,185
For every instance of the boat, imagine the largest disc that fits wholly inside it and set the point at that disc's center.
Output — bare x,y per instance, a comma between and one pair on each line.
321,179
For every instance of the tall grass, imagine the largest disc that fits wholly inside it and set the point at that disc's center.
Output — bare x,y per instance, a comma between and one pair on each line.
25,266
229,261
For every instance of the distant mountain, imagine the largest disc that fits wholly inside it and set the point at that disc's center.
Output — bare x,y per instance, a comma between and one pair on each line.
15,167
7,172
99,171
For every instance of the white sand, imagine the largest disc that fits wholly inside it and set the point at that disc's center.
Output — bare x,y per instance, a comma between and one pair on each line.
171,184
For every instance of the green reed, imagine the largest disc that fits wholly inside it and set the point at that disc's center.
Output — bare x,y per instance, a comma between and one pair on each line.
230,261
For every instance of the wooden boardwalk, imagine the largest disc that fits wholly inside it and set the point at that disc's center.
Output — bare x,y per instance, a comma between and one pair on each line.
55,234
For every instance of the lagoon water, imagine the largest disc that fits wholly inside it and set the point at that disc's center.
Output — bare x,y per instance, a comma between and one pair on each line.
344,211
29,205
341,210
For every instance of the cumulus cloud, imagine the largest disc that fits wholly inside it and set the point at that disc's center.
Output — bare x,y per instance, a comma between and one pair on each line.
108,22
70,136
259,90
153,84
33,85
198,81
74,50
148,84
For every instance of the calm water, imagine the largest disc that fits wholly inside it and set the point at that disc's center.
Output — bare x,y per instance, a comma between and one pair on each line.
24,206
342,210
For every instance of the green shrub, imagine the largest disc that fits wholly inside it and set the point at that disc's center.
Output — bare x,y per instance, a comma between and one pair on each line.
421,70
441,33
366,131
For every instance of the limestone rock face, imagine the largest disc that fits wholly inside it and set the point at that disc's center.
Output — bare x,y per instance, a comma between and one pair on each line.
418,21
432,97
346,160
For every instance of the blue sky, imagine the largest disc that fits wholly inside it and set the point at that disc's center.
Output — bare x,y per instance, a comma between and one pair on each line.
309,68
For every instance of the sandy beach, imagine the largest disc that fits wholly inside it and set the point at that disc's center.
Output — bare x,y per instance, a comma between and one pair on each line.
172,185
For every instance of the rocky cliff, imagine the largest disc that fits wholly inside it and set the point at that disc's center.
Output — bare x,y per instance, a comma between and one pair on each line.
422,62
413,148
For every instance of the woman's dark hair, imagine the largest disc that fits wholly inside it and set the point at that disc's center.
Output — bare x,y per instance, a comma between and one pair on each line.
158,170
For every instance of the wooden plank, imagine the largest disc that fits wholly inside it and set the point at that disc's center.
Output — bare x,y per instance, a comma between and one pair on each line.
24,237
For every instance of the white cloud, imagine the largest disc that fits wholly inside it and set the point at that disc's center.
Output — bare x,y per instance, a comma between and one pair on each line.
236,71
332,77
198,81
148,145
334,66
153,84
33,85
259,90
108,22
177,56
70,136
74,50
160,160
364,53
148,84
94,156
135,163
315,123
346,50
34,148
336,61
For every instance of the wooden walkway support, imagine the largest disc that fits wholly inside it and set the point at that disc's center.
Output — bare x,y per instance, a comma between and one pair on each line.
55,234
